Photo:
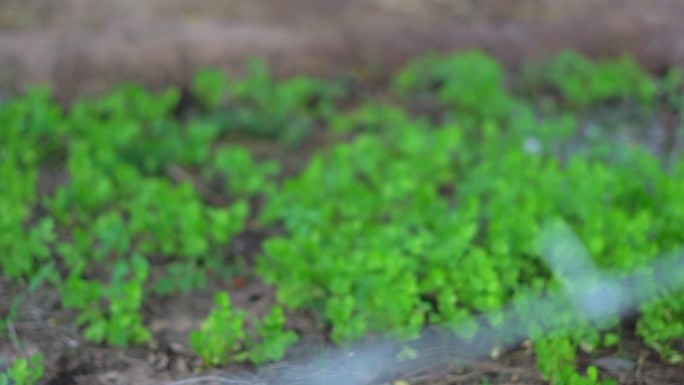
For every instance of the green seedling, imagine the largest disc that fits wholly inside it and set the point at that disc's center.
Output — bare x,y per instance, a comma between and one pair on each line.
257,105
209,87
220,338
460,82
584,83
270,340
120,323
661,325
24,371
556,361
243,175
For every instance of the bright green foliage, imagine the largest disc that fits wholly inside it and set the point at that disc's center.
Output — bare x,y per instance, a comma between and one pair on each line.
662,326
114,209
23,371
198,144
209,87
25,237
451,212
371,234
128,124
271,340
243,175
431,212
24,121
345,256
222,337
369,117
556,361
470,85
260,106
583,82
120,324
23,258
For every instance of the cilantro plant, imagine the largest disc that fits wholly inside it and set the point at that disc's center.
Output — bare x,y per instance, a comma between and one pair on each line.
209,87
556,361
469,85
585,83
219,340
370,116
271,340
115,208
244,176
258,105
222,337
24,239
24,371
200,134
662,327
120,324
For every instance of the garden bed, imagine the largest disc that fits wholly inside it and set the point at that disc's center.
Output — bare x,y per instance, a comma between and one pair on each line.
247,220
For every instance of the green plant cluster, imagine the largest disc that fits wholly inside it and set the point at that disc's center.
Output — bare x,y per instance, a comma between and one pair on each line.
23,371
119,209
469,85
556,358
437,218
245,177
429,209
583,83
222,337
256,104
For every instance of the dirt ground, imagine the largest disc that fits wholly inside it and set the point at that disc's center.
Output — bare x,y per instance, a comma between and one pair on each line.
83,47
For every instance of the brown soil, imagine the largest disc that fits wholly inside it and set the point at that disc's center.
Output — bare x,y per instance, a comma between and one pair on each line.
85,46
82,47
